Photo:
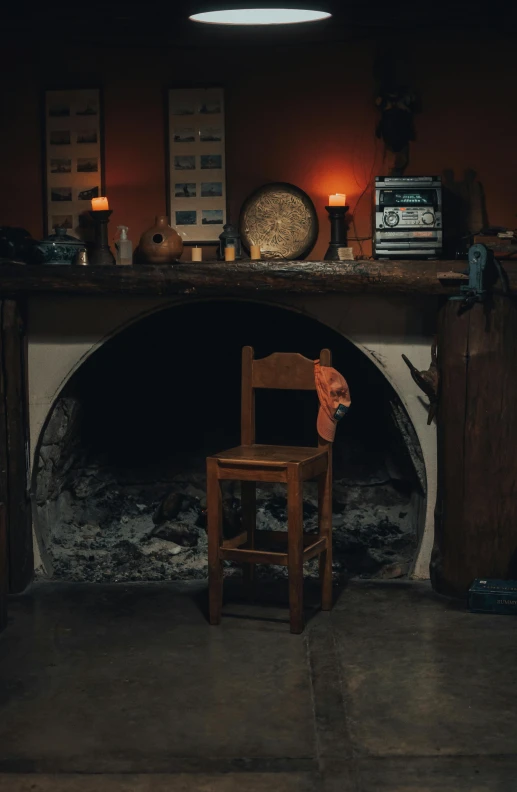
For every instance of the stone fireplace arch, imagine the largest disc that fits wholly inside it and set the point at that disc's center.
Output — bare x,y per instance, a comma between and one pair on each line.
65,332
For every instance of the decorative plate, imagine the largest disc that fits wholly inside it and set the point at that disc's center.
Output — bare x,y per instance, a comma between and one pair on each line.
281,219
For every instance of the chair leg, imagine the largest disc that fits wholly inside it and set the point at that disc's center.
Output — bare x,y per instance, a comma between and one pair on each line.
325,529
249,520
295,546
214,502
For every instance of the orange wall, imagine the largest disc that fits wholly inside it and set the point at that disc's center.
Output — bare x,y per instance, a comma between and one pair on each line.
305,116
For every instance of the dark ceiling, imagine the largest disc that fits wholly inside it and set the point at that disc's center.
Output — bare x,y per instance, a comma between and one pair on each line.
55,23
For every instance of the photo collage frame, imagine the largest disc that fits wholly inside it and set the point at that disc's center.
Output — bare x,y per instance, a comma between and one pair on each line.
73,166
197,167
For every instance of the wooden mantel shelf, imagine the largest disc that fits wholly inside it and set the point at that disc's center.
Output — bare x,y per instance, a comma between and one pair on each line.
233,278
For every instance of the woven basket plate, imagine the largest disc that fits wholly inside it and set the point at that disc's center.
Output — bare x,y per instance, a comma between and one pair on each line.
281,219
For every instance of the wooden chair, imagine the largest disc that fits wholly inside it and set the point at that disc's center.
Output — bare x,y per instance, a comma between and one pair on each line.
292,465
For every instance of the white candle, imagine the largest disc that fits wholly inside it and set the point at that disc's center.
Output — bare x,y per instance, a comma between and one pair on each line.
197,254
339,199
100,204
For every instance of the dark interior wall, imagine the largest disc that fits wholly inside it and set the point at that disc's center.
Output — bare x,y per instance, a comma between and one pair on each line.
149,391
300,114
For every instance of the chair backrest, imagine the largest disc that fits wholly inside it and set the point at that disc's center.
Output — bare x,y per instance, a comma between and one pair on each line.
279,371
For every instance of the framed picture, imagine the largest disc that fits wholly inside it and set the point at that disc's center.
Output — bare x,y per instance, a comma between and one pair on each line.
196,167
73,170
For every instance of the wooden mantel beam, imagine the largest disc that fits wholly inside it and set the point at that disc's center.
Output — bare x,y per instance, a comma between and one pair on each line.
233,278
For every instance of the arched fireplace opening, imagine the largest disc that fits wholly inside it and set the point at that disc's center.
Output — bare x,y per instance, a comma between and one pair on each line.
120,476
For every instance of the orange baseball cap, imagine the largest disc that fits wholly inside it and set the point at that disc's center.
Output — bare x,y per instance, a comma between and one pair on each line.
334,397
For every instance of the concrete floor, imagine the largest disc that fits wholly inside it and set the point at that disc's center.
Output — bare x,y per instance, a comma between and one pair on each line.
127,689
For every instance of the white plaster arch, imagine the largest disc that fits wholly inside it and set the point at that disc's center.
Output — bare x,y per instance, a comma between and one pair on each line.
65,331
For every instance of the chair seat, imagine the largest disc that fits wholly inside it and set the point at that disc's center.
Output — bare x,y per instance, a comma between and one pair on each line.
270,455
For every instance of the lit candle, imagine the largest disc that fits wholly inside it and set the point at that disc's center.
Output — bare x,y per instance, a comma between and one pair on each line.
337,200
255,252
229,254
100,205
197,254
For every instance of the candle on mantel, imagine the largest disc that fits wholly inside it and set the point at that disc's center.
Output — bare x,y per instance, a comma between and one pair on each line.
337,200
255,252
197,254
229,254
100,205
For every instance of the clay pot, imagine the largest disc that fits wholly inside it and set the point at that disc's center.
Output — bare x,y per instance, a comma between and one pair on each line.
160,244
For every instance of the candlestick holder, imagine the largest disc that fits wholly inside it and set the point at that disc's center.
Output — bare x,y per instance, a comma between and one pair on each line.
338,238
101,253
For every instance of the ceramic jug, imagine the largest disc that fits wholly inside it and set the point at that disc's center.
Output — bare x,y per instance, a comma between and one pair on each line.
160,244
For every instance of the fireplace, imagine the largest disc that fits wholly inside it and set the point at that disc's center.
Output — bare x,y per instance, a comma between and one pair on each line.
127,398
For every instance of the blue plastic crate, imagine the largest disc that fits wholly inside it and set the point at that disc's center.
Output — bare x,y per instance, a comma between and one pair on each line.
493,596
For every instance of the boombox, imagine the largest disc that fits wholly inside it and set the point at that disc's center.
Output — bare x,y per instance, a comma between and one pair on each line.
407,217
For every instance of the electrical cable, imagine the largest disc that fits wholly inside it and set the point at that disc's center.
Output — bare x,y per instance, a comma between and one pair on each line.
368,185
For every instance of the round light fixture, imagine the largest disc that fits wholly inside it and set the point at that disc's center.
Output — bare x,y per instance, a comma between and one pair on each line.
260,16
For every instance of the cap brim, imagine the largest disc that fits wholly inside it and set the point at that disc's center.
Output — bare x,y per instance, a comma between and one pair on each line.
326,426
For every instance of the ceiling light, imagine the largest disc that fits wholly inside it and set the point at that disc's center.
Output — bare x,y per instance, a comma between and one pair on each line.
259,16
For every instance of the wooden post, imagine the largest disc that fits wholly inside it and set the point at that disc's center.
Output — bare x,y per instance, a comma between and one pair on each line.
295,547
214,504
14,439
325,512
3,568
476,509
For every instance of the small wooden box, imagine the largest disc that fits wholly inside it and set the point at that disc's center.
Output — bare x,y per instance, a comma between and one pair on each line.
493,596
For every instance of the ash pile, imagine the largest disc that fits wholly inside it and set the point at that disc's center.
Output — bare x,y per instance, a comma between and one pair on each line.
102,523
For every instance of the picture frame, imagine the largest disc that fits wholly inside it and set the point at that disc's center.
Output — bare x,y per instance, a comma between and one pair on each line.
73,154
196,163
